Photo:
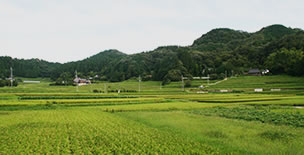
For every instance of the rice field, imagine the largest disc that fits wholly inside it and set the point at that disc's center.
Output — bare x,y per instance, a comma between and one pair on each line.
43,119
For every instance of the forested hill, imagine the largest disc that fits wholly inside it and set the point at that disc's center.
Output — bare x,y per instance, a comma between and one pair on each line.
26,68
275,47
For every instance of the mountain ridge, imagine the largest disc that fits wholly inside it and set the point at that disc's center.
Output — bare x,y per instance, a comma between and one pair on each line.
219,50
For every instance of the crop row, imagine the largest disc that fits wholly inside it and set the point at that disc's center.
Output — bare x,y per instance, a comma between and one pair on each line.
222,96
59,94
250,113
88,132
124,100
71,97
51,104
235,100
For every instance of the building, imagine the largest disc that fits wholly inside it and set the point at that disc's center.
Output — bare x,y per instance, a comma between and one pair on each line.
258,72
81,82
31,81
254,72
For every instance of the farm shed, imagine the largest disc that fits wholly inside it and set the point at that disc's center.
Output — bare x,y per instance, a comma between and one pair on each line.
254,72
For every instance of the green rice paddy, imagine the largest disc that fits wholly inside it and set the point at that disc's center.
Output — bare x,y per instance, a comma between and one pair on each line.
43,119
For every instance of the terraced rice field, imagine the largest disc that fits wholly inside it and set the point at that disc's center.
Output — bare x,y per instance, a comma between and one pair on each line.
151,122
88,132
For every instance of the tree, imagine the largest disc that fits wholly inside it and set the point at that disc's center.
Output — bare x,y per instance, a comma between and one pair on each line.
286,61
65,78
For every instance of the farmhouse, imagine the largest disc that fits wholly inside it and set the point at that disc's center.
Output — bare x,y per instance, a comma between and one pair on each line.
81,82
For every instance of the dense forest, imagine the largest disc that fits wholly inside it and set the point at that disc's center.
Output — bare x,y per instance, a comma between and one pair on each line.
218,52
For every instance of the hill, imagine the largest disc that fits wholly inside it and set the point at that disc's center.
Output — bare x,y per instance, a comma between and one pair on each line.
217,52
26,68
101,62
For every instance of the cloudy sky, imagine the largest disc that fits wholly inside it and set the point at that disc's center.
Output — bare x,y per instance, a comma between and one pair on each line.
69,30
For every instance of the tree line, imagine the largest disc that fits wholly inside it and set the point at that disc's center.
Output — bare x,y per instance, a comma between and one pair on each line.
217,53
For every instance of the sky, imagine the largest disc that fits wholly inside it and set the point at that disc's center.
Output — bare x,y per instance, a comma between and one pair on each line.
71,30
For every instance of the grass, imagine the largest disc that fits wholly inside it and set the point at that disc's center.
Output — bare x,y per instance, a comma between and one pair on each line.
43,119
249,83
257,113
228,135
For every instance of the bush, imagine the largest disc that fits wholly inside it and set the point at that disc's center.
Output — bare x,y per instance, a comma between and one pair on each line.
96,91
188,83
15,83
213,76
19,80
166,81
174,75
221,76
217,76
4,83
237,91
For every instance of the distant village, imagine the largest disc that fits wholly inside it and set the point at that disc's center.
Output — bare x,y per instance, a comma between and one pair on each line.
78,81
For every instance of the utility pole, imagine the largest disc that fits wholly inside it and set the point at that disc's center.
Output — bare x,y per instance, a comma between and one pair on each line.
11,77
160,85
139,80
76,75
208,79
183,87
76,78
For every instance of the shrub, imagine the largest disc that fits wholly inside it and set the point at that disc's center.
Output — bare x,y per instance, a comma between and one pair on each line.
4,83
188,83
96,91
213,76
166,81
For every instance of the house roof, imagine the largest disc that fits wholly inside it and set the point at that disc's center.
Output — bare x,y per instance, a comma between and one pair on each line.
79,80
254,71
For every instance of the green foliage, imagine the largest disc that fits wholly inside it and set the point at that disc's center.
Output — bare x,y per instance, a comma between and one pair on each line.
286,61
174,75
166,81
26,68
216,37
188,83
277,135
65,79
4,83
216,52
